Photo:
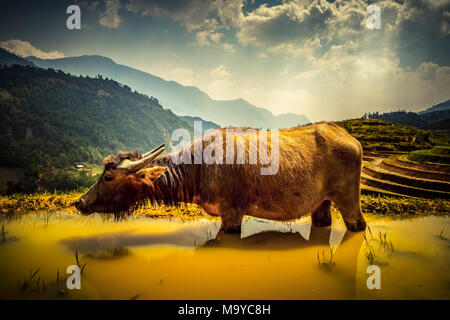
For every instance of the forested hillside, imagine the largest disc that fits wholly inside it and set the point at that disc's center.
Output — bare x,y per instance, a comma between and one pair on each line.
50,119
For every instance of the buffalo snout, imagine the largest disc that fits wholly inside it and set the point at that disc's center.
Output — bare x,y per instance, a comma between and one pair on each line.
81,206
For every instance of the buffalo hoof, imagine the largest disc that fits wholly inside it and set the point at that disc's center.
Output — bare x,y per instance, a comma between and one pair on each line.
360,225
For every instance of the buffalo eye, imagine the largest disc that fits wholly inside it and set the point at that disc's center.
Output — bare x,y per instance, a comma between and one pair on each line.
108,178
141,175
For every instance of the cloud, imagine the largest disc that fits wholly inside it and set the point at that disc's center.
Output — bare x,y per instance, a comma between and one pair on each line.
220,83
420,24
411,26
305,49
26,49
345,82
229,12
205,38
306,75
110,18
220,72
431,71
291,100
289,26
228,47
293,21
208,18
217,81
183,75
90,5
208,35
262,55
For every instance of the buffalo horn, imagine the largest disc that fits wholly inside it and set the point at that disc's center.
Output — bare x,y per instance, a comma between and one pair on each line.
154,150
147,158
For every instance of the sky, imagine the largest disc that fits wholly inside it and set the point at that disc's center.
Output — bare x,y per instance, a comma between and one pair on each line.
317,58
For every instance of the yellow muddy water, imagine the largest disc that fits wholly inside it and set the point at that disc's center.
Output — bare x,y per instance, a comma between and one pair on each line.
144,258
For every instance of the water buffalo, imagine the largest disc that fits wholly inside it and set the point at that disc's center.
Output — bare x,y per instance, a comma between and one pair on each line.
316,164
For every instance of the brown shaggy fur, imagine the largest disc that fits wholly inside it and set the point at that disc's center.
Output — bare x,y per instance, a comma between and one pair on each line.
317,164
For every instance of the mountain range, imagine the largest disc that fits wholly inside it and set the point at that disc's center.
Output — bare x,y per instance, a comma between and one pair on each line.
182,100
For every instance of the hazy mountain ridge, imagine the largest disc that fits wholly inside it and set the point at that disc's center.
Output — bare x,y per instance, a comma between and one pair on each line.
183,100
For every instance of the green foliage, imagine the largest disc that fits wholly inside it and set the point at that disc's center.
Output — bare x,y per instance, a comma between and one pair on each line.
67,180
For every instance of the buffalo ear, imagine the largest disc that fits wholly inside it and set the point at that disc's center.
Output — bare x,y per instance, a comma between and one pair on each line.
151,173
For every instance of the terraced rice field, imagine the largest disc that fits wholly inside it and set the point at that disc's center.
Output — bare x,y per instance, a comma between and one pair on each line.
392,175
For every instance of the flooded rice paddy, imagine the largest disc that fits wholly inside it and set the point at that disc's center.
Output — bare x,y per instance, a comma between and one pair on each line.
144,258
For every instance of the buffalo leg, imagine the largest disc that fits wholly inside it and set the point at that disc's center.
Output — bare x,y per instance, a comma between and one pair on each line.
232,220
321,217
349,204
